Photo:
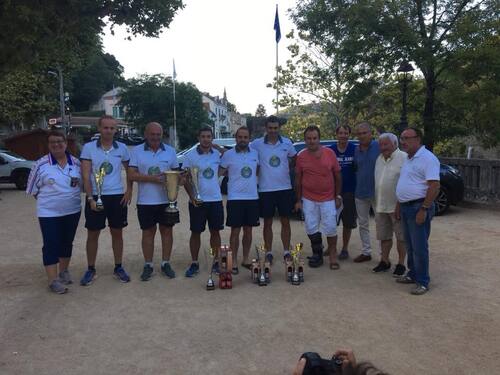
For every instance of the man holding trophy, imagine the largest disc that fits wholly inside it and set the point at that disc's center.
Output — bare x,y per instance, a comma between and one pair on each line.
205,197
148,163
101,163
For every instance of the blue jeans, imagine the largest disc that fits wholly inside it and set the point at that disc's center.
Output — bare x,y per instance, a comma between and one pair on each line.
417,245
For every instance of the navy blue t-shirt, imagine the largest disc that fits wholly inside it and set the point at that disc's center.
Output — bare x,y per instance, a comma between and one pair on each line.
364,164
346,161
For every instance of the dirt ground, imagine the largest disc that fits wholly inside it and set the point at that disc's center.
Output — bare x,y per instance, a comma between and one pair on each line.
177,327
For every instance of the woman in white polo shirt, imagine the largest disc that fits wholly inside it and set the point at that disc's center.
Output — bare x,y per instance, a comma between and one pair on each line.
54,181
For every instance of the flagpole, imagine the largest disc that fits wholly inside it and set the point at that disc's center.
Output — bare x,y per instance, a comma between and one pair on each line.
277,38
175,113
277,88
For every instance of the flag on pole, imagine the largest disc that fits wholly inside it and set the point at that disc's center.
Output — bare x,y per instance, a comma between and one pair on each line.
277,25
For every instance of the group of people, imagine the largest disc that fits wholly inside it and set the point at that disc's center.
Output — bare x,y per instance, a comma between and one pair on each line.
340,182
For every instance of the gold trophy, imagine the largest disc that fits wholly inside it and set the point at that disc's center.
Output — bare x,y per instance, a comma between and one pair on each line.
210,262
194,173
298,268
260,268
171,185
99,181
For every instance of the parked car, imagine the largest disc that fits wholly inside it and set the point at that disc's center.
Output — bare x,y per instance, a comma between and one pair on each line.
14,169
452,184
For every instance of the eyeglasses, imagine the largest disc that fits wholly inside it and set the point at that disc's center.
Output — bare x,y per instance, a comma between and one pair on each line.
402,139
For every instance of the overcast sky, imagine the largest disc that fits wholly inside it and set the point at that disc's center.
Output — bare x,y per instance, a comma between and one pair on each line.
215,44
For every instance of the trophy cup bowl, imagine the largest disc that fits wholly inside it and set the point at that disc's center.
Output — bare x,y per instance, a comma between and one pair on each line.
99,181
194,173
171,185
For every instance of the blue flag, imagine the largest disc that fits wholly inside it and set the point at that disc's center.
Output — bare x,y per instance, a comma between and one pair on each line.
277,25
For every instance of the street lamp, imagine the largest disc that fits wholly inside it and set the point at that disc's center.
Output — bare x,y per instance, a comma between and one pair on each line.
404,76
61,95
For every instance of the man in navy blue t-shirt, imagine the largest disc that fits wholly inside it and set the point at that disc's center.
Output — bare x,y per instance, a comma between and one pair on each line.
345,155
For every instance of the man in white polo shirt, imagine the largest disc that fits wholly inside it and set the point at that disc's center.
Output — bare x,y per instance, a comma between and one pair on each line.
108,155
241,164
417,188
207,159
387,169
148,161
275,187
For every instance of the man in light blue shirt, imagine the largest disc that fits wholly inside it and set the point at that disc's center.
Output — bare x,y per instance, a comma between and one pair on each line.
275,187
147,163
207,160
109,156
241,165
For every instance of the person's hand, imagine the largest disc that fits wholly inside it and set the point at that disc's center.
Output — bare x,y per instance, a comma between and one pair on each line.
93,205
338,202
420,218
299,368
127,198
397,212
298,206
347,357
195,202
159,179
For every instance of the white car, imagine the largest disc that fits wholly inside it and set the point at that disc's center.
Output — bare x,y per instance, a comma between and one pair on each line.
14,169
224,142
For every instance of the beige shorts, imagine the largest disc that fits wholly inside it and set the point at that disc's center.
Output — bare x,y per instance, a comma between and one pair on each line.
386,225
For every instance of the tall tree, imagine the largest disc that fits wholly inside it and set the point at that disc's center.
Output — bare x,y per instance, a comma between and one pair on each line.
150,98
260,111
373,36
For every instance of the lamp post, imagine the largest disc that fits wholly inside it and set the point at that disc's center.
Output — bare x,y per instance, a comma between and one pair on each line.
61,96
404,77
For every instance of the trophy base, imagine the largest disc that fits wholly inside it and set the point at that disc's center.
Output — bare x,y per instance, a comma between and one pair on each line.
210,287
172,217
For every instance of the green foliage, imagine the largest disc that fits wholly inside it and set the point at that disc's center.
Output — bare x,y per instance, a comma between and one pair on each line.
452,147
260,111
294,127
150,98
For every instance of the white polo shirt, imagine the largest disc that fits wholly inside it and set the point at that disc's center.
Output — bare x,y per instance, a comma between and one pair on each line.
51,186
274,172
242,174
208,164
111,160
152,163
416,171
386,178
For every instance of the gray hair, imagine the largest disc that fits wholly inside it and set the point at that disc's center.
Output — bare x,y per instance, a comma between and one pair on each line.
391,137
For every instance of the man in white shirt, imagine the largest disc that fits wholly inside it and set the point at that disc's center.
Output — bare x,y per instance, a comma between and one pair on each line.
275,187
387,169
147,163
105,154
241,164
207,159
417,188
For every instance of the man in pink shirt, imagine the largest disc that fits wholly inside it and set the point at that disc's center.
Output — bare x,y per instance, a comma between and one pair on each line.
318,186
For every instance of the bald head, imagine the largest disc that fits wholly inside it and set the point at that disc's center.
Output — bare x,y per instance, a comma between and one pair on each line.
153,134
153,126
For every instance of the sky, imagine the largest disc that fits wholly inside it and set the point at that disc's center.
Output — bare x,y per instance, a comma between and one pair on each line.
216,44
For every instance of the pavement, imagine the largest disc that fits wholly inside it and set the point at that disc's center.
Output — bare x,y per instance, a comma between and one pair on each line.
177,327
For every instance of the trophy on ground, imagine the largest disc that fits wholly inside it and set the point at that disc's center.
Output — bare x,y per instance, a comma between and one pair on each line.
226,265
261,269
212,256
295,267
194,173
171,185
99,181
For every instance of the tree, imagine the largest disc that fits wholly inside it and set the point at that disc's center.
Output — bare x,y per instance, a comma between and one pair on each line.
150,98
373,36
260,111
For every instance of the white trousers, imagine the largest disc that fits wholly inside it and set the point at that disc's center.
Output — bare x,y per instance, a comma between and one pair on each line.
320,217
363,210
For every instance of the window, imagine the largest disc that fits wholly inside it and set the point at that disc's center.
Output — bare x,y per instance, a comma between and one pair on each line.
118,112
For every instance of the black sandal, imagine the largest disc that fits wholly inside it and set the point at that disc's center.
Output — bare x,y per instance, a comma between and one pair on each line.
235,271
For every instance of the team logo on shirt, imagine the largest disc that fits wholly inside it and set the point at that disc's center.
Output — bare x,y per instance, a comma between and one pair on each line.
208,173
274,161
154,171
107,166
51,181
246,172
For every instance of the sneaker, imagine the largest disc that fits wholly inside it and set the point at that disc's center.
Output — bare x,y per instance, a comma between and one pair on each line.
235,270
193,269
419,290
65,277
147,273
382,267
269,258
362,258
315,261
344,254
216,268
57,287
120,274
287,256
405,280
168,271
88,277
399,270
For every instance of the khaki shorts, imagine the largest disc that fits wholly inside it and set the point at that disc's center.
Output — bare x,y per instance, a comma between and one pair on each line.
386,225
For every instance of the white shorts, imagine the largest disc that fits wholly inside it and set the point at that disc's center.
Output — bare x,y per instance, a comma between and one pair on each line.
320,217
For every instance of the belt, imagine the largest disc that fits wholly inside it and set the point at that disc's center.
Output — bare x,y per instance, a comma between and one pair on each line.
414,201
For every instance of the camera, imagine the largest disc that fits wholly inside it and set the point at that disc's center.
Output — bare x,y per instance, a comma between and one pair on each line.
315,365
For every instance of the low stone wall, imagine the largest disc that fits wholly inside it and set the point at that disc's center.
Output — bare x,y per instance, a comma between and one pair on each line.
481,178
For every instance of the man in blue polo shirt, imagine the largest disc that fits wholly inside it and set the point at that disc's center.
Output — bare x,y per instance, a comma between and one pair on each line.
275,187
365,158
345,150
241,164
148,161
207,159
108,155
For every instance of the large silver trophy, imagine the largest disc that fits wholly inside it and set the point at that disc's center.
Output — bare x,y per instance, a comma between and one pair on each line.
261,270
194,174
171,185
210,263
99,181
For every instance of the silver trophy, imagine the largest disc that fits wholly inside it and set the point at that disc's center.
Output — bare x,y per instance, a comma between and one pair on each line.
194,174
210,262
261,259
99,181
298,269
